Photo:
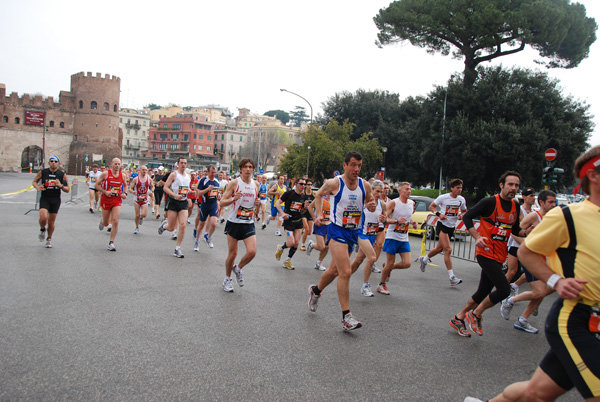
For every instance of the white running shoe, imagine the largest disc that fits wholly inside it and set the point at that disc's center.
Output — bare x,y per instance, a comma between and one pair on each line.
238,275
349,323
313,299
525,326
141,221
161,228
42,235
454,281
136,231
196,246
366,290
514,290
505,308
174,235
49,243
208,241
277,232
109,227
111,246
423,264
309,247
374,268
100,225
177,253
227,285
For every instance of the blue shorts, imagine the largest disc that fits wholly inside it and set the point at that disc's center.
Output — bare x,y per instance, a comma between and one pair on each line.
392,246
369,238
274,210
207,211
341,235
321,230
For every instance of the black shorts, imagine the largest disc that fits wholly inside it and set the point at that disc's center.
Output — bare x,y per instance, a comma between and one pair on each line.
240,231
52,204
308,216
574,349
440,227
176,205
291,225
158,195
93,189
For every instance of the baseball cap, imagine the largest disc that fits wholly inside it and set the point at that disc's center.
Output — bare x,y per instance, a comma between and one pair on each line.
528,191
161,168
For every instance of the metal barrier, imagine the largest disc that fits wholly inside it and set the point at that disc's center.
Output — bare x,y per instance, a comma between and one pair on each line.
38,195
74,189
463,246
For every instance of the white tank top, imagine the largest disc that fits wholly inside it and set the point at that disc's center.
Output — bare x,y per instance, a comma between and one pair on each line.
347,205
511,241
93,178
242,210
370,220
400,231
181,184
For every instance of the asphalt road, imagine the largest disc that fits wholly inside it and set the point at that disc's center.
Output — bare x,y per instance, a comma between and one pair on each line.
78,322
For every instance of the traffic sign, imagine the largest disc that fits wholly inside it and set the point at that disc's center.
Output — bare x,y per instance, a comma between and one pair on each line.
550,154
336,173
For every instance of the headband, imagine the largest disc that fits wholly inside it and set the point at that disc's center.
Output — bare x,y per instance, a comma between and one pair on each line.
55,157
589,165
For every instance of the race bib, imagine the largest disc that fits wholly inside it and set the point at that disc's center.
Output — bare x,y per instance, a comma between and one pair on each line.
296,206
451,210
326,215
142,197
183,191
350,219
213,193
245,214
115,191
502,232
52,184
262,195
595,321
401,228
372,228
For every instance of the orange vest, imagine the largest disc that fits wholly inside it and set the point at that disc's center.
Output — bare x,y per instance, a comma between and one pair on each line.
497,228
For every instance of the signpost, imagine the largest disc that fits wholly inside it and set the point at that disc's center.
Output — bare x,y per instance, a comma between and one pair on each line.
550,154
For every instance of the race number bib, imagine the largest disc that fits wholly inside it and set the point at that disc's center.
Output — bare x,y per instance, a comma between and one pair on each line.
451,210
401,228
115,191
213,193
595,320
262,195
142,197
350,219
52,184
245,214
326,215
183,191
296,206
502,232
372,228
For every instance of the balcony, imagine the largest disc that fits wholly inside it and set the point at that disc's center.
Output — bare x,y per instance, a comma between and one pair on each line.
133,147
133,126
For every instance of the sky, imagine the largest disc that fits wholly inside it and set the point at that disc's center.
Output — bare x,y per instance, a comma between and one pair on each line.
235,53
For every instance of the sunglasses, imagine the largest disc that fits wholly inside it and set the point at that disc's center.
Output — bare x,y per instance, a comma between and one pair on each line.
301,184
53,160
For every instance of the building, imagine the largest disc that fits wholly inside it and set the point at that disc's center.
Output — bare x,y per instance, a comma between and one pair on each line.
181,136
135,125
229,144
81,128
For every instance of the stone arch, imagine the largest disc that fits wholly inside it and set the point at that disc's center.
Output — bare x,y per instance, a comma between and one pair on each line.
31,154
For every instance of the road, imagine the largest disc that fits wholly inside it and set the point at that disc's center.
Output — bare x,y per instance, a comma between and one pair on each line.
78,322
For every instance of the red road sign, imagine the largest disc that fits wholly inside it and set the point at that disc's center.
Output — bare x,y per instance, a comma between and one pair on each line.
550,154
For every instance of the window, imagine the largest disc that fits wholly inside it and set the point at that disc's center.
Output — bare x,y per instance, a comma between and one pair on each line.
200,147
115,108
80,104
51,123
136,122
177,126
128,131
222,137
192,125
17,120
240,149
163,136
194,146
185,137
200,137
120,120
62,124
421,207
241,138
154,136
231,137
174,136
5,119
93,105
208,147
221,147
106,106
194,136
208,137
165,125
144,123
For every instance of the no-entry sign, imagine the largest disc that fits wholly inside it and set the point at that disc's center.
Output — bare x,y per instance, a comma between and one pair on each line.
550,154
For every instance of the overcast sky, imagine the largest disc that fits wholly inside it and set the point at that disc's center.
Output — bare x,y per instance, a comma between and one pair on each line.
234,53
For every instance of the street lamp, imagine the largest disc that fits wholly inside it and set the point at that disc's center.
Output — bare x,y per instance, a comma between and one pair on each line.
443,132
309,128
384,150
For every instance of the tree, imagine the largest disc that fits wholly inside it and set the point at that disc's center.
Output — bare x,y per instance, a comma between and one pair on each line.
280,115
329,145
152,106
269,147
482,30
298,116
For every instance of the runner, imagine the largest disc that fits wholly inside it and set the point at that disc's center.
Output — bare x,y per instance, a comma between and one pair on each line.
350,194
222,187
113,188
569,236
53,181
91,182
159,178
241,194
368,235
307,219
320,233
192,195
499,218
452,206
399,213
275,192
547,201
380,238
142,187
262,195
208,189
295,207
177,188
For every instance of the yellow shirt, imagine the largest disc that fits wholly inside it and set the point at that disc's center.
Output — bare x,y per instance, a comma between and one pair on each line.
551,238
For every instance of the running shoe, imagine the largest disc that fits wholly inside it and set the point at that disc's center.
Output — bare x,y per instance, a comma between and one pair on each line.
264,225
277,232
239,277
288,264
366,290
514,290
278,252
208,241
42,234
525,326
303,248
474,323
221,222
355,248
194,233
111,246
109,227
374,268
174,235
349,323
188,222
177,253
196,246
382,288
313,299
91,210
471,399
320,267
161,228
309,247
136,231
423,264
100,225
505,307
459,326
49,243
454,281
227,285
141,221
269,220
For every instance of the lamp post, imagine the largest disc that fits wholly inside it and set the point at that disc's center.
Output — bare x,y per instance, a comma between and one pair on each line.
443,132
309,128
260,123
384,150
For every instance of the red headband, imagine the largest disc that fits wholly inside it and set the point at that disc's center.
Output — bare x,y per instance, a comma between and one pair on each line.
589,165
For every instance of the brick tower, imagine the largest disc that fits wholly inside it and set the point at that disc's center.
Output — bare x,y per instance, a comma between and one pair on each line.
96,118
